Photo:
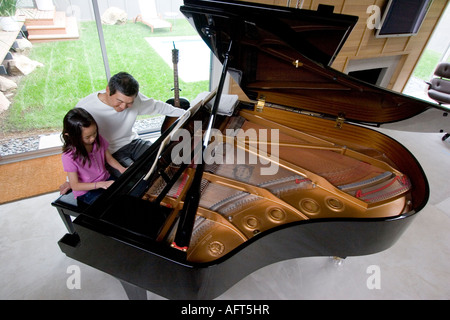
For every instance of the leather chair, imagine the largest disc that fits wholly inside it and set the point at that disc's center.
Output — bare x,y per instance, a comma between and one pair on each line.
439,87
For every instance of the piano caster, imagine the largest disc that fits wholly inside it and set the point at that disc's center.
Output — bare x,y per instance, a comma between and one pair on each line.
337,261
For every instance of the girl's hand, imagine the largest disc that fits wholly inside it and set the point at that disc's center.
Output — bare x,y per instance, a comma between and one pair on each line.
104,184
64,188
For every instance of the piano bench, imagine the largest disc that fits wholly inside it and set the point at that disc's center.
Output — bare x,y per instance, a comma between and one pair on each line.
67,207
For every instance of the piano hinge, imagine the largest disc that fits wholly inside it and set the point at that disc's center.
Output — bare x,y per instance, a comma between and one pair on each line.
260,104
340,121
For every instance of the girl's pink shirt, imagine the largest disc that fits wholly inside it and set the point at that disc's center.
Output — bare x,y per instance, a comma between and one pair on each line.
88,173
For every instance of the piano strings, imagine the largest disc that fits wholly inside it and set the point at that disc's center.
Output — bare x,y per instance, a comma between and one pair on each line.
315,179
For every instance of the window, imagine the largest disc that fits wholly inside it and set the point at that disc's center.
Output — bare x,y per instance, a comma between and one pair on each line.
74,68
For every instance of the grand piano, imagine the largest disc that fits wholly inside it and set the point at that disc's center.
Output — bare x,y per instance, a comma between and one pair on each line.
290,169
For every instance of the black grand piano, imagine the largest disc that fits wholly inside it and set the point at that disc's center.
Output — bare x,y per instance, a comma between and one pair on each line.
290,169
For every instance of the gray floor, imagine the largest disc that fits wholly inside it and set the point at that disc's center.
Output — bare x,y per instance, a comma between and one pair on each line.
416,267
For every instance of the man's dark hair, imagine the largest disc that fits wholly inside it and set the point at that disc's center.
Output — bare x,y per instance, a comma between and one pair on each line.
124,83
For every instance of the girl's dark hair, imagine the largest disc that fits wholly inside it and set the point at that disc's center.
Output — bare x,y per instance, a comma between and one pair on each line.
124,83
74,121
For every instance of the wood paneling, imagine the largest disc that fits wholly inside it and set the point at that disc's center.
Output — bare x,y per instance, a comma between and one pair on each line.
362,43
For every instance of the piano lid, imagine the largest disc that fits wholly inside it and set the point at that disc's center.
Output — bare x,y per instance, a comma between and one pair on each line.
283,55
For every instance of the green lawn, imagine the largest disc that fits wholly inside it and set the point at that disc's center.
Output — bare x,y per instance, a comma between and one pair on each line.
426,65
74,69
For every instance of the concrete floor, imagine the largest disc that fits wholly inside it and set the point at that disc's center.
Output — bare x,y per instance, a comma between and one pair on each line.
416,267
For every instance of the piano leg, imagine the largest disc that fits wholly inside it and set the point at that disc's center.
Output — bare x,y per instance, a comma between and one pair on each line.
133,292
67,220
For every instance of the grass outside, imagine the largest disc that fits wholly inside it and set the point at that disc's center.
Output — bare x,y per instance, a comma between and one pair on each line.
427,64
74,69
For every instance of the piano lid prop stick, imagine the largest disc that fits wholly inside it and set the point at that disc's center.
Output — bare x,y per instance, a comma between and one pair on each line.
192,110
181,121
187,214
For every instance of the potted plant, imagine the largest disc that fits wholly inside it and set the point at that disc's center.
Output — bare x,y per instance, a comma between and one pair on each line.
7,13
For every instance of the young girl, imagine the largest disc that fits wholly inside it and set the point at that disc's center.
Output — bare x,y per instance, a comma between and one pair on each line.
84,155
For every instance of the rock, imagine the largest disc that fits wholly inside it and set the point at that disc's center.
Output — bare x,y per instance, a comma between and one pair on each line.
23,45
4,103
114,15
22,65
18,145
7,85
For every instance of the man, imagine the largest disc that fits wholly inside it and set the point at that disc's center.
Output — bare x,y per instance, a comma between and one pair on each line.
115,110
